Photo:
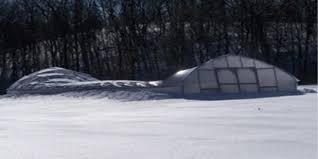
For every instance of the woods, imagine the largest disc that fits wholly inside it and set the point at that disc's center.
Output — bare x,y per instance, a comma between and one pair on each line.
150,39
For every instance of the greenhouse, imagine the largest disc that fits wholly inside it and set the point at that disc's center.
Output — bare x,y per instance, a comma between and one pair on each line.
231,74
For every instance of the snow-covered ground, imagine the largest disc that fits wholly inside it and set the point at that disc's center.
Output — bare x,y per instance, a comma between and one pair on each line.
91,127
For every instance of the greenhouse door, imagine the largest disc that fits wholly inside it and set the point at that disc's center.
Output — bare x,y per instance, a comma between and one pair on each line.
236,80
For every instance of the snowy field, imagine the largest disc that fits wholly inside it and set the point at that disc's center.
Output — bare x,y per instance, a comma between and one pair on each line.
64,127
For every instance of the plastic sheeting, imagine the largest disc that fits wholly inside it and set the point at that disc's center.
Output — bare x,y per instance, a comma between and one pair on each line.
208,79
191,84
207,65
220,63
248,88
247,62
178,78
234,61
229,89
284,82
226,76
233,74
266,77
246,75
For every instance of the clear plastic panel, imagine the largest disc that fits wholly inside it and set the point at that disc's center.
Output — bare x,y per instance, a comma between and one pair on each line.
220,63
192,78
247,62
248,88
268,89
285,81
191,88
266,77
226,76
208,79
191,84
207,65
207,91
178,77
229,89
246,75
259,64
234,61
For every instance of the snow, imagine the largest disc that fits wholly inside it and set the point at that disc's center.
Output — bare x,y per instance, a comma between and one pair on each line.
87,124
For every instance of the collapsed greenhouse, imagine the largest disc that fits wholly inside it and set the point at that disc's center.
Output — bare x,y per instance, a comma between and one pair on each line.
224,74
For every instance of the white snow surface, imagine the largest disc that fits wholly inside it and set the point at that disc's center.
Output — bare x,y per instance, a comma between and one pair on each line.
84,126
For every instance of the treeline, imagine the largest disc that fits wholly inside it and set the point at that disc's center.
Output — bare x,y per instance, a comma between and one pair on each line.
150,39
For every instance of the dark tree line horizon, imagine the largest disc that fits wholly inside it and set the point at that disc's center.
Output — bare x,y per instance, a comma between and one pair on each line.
150,39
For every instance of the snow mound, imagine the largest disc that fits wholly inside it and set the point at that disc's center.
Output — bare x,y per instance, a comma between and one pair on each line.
308,89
